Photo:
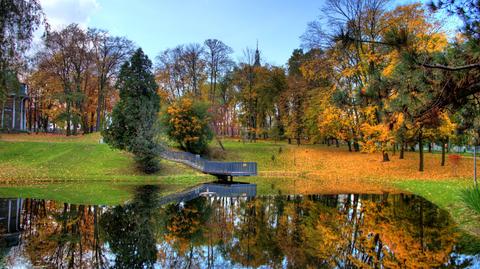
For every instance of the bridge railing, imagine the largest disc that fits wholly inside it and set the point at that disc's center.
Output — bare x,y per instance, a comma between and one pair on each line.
185,157
211,167
231,168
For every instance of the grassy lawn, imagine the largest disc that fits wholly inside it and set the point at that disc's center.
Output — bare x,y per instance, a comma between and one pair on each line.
79,170
30,158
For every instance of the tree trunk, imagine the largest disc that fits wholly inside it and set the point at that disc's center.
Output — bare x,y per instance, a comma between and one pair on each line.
349,146
402,151
99,109
385,156
356,146
420,149
69,118
430,147
443,152
289,140
336,143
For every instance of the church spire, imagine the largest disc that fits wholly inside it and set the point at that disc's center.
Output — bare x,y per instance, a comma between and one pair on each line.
257,56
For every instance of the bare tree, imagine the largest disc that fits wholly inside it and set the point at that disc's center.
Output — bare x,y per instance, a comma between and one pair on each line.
108,53
195,66
218,60
171,74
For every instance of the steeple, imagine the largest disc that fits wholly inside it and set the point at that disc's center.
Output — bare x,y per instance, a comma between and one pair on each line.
257,56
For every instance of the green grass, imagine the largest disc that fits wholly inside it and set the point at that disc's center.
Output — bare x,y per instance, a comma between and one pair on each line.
447,195
79,170
471,197
260,152
75,161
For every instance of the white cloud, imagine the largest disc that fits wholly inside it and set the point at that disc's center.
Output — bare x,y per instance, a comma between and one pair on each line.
63,12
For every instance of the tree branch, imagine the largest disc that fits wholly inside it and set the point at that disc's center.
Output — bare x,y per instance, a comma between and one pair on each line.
451,68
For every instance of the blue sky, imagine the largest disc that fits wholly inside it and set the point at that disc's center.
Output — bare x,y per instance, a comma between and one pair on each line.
156,25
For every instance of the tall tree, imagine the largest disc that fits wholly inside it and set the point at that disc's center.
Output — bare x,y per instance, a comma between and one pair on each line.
195,66
18,21
66,56
218,60
109,53
134,116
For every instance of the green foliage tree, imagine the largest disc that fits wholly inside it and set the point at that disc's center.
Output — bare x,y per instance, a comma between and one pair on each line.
19,20
131,229
134,116
187,123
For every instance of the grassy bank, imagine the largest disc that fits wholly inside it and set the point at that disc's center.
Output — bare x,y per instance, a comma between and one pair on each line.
79,170
50,158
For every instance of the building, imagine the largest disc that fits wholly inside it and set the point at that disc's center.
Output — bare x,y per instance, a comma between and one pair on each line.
13,110
257,57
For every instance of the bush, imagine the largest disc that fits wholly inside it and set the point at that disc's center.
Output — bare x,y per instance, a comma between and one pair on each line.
471,197
187,123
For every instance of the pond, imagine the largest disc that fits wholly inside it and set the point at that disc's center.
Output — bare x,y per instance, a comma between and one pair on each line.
229,226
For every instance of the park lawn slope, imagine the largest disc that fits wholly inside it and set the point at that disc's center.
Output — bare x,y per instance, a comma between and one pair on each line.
61,161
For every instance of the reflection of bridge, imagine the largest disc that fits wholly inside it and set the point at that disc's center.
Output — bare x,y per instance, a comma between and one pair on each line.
212,189
222,170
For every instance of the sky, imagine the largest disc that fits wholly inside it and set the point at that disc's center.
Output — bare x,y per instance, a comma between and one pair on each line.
156,25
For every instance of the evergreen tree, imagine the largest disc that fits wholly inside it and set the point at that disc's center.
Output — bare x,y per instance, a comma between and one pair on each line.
134,116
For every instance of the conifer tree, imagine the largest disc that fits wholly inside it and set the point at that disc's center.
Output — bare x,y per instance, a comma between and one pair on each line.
134,116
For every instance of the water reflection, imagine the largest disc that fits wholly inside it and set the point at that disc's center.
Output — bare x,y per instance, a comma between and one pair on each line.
234,230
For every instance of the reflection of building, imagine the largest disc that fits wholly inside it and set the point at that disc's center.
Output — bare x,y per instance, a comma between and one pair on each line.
10,210
13,110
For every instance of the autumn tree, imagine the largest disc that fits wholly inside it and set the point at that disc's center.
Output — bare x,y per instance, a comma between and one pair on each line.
66,57
187,122
245,80
134,116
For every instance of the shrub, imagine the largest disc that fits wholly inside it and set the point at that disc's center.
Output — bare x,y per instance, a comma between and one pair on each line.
187,123
471,197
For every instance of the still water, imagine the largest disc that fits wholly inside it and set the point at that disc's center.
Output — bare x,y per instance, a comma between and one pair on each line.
228,226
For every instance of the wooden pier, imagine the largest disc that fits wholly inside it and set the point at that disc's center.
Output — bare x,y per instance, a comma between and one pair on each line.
222,170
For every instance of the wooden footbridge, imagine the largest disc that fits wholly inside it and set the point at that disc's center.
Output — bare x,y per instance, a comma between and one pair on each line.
222,170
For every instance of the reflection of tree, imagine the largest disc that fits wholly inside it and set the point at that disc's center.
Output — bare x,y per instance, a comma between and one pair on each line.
130,230
184,233
345,231
349,231
395,232
255,234
59,235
